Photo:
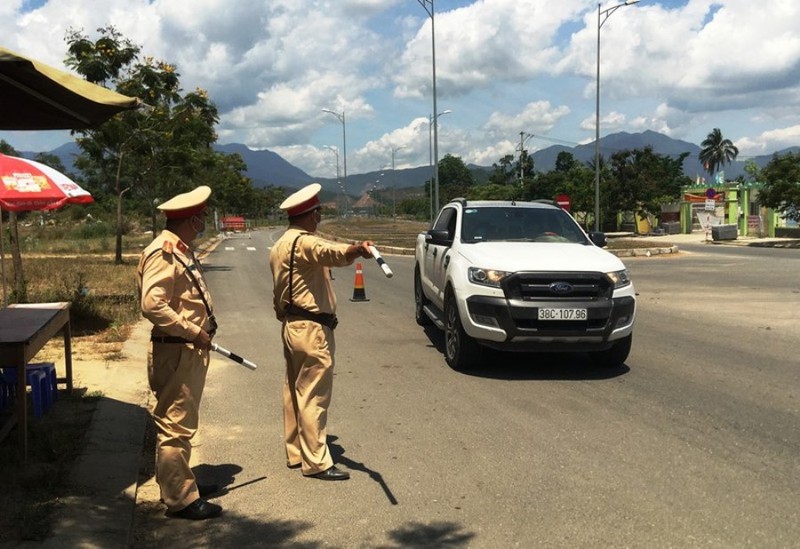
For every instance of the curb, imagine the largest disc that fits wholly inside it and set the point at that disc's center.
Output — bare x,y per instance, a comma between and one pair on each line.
645,252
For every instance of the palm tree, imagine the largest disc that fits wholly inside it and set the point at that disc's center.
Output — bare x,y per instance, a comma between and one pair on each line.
717,152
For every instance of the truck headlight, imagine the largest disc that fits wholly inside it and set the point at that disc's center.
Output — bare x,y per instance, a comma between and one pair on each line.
486,277
620,278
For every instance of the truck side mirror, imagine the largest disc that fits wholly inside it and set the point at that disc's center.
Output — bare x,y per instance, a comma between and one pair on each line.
438,237
599,238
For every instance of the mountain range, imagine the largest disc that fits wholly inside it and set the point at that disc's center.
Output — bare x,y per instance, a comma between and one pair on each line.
266,168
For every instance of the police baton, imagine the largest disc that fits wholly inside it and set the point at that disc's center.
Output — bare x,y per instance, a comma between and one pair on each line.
233,356
386,270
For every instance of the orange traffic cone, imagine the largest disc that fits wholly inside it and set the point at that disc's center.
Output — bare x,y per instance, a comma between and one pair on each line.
359,294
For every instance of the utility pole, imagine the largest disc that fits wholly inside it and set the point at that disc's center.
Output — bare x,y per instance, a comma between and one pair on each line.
523,137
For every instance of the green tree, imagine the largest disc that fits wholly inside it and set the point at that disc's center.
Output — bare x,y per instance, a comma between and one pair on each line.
781,189
493,191
506,171
455,178
503,172
642,181
717,151
569,177
155,152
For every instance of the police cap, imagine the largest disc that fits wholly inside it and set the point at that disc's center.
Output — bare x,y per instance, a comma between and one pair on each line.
304,200
186,205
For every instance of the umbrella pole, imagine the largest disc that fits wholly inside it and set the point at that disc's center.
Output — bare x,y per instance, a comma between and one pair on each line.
3,261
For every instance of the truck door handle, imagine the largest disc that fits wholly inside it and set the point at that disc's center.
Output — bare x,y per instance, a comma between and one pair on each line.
435,250
446,261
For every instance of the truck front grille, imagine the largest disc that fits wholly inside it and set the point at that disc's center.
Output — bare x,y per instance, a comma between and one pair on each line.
557,287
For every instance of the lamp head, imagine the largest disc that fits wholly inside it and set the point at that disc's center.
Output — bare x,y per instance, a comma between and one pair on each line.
629,2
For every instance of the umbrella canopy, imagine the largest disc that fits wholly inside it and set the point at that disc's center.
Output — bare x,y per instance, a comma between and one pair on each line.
27,185
35,96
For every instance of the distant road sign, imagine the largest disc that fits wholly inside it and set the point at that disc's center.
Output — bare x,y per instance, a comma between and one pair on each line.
711,193
563,202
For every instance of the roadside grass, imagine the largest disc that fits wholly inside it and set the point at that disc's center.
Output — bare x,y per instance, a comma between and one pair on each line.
383,231
403,233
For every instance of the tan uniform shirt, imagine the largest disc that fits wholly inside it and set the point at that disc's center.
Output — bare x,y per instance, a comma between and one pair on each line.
169,298
313,257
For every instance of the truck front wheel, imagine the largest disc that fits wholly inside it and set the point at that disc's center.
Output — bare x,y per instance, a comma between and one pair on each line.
461,351
615,356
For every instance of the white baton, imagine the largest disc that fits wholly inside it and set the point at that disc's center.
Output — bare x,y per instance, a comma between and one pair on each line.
386,270
233,356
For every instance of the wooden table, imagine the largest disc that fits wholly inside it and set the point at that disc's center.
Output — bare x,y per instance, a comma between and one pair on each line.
24,330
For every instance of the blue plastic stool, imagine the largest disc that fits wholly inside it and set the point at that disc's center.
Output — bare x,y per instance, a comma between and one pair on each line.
50,371
41,381
37,379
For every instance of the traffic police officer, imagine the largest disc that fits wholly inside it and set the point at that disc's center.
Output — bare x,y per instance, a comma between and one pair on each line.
305,303
175,298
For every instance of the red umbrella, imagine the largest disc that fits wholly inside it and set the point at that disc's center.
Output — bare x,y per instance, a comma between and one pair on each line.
28,185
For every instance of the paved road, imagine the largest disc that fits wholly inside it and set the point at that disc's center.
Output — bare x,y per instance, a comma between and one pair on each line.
694,443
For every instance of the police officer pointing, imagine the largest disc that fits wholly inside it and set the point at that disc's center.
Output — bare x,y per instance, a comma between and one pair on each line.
175,298
305,303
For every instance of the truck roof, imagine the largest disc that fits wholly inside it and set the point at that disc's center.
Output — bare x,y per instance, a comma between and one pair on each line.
544,204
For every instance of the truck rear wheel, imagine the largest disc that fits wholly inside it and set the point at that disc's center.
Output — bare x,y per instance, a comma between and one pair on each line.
615,356
461,351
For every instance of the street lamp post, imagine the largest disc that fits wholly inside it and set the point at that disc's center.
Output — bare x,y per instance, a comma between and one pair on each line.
335,151
341,118
428,6
434,170
394,183
601,18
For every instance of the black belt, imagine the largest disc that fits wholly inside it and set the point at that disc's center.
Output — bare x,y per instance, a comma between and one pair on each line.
168,339
326,319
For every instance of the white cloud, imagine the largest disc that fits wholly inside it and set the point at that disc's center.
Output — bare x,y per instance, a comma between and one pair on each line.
769,141
610,122
680,67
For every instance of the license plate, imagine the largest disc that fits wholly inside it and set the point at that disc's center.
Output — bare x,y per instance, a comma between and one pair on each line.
561,314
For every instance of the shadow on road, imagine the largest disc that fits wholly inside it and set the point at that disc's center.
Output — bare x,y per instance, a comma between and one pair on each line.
532,366
337,452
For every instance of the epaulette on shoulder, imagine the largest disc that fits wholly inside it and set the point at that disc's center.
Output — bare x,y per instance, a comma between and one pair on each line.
167,247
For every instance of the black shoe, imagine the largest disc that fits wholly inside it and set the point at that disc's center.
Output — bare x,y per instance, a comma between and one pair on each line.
331,474
206,490
293,465
199,509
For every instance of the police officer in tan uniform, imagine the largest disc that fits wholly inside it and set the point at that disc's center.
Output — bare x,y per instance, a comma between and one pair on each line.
305,303
175,298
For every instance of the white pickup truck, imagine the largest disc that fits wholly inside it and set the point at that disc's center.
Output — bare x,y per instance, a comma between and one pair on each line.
521,276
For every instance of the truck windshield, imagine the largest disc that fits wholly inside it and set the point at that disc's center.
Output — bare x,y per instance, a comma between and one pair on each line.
515,223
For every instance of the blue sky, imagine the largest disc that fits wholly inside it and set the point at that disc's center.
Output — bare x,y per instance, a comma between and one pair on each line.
680,68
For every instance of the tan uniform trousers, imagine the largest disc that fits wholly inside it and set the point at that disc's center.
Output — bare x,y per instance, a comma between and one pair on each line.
177,375
308,347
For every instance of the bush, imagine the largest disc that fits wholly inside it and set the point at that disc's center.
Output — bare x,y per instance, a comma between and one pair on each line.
92,230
